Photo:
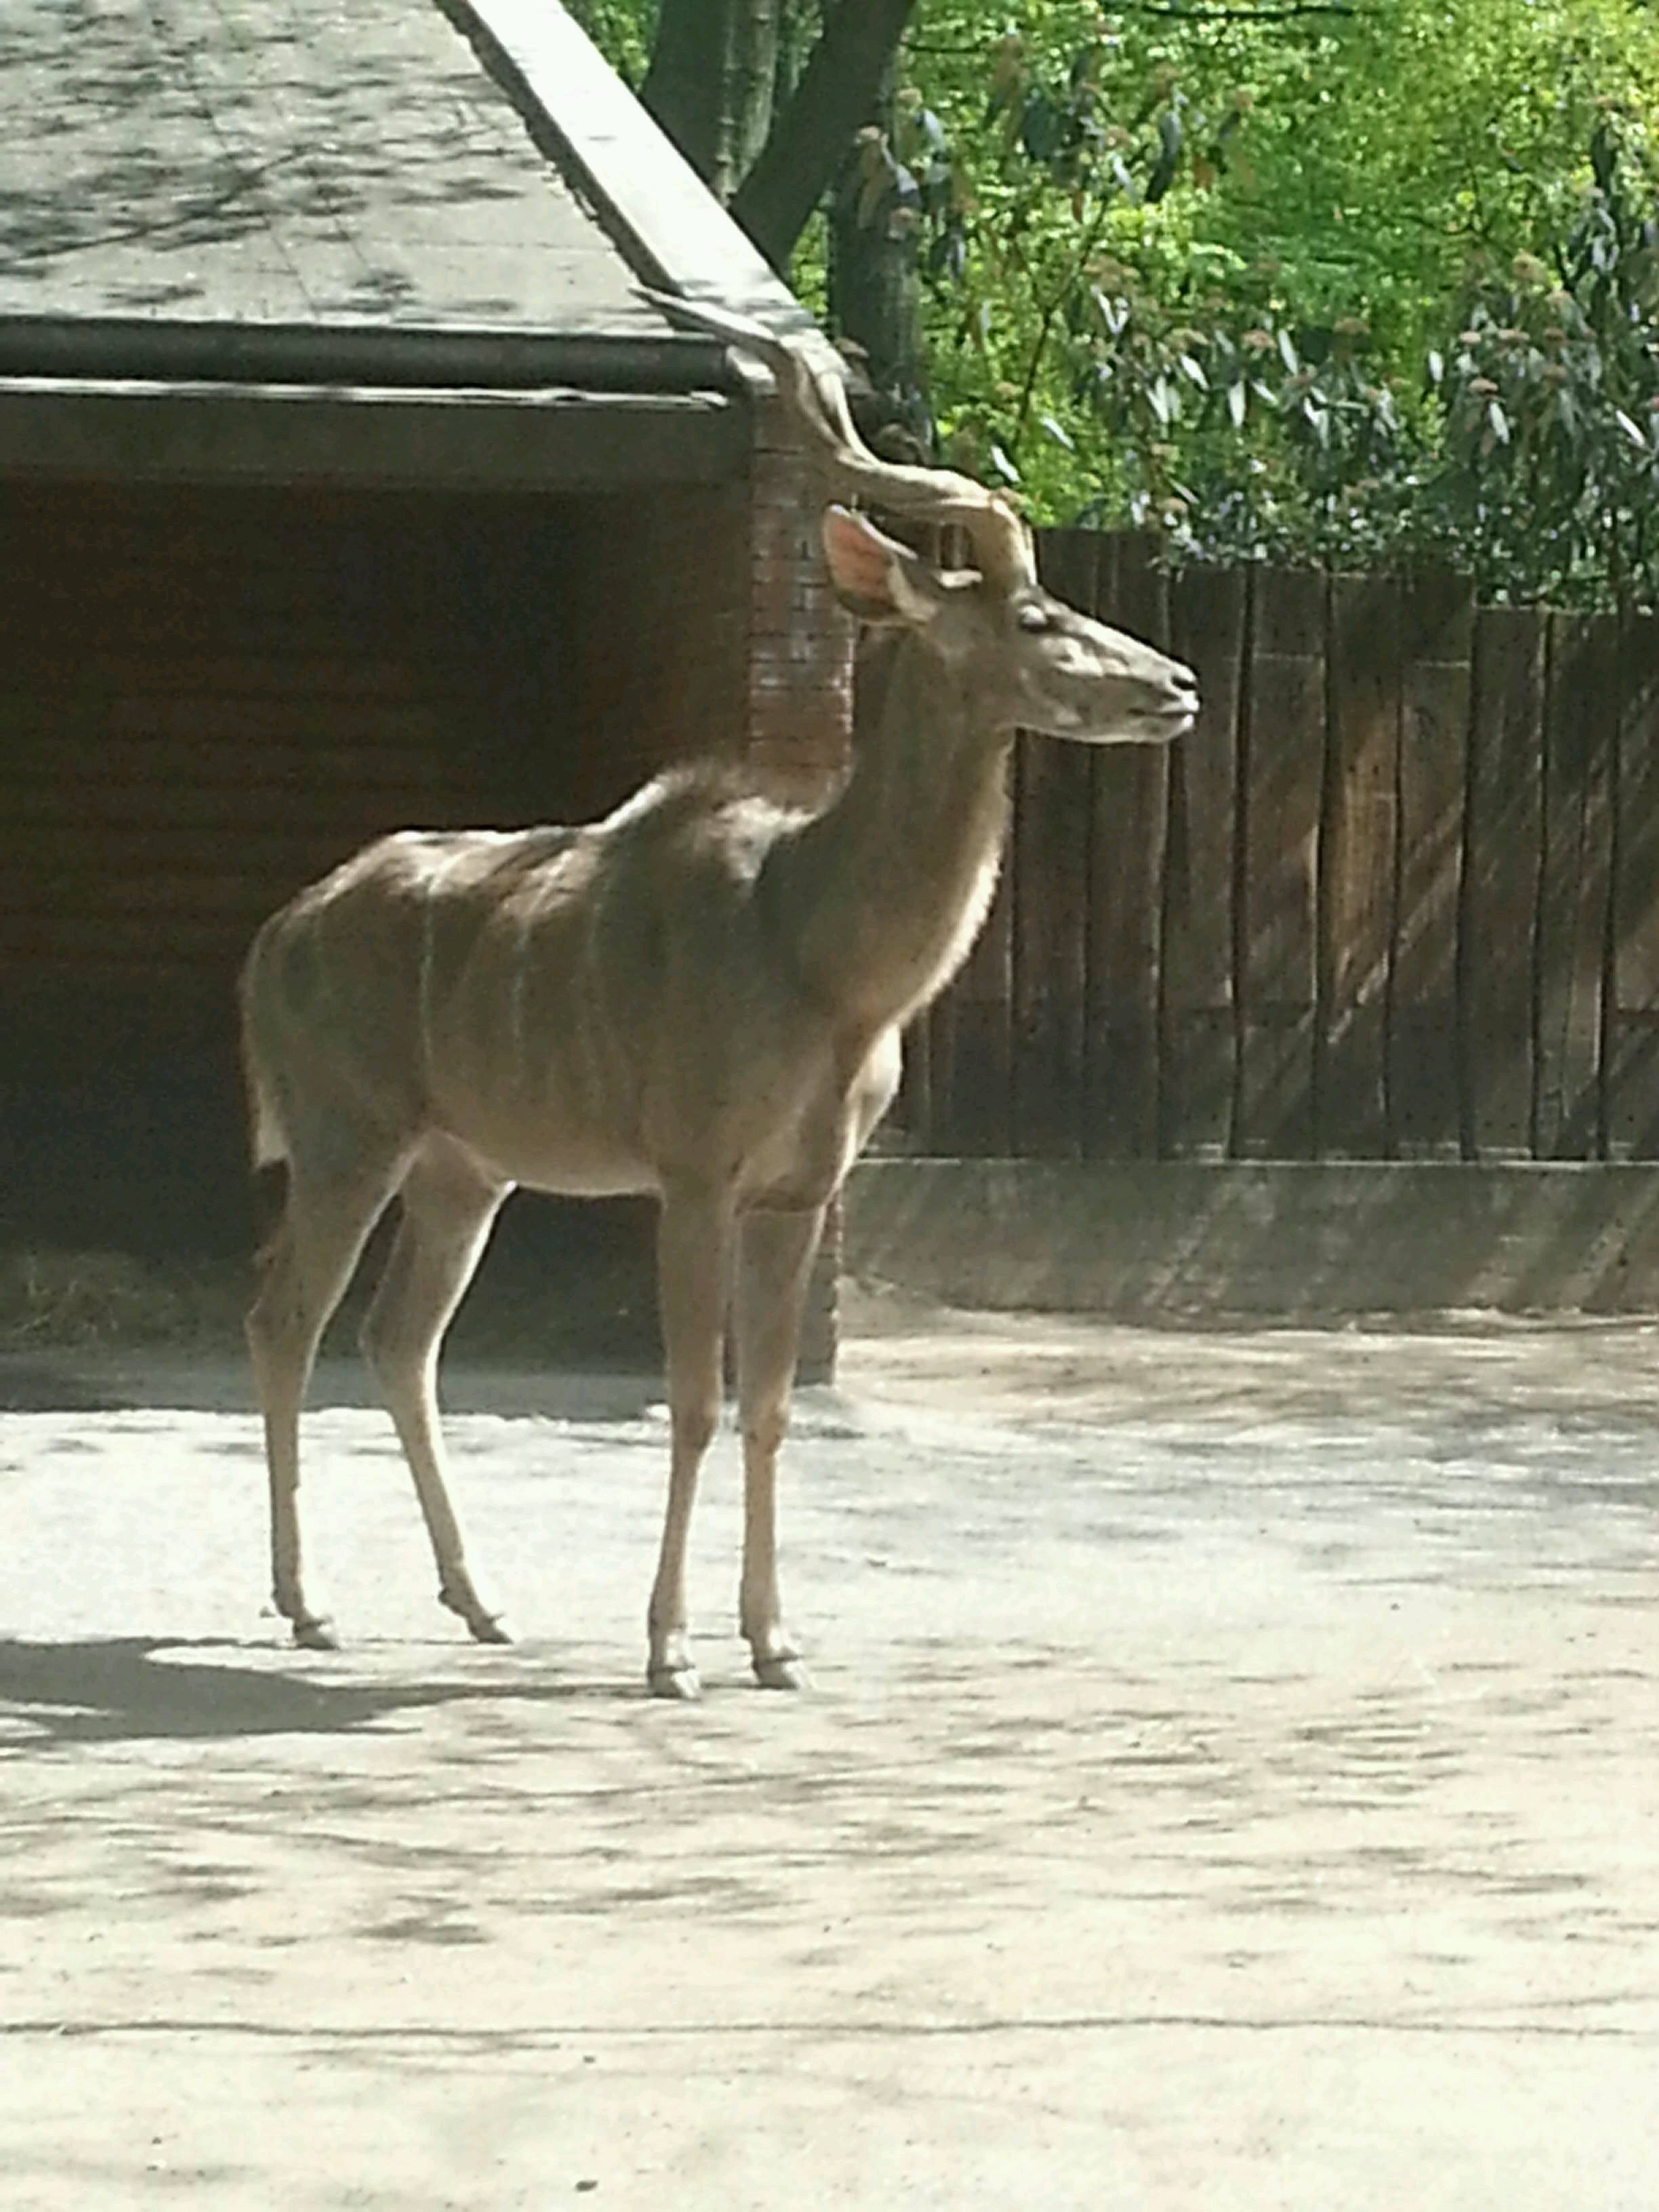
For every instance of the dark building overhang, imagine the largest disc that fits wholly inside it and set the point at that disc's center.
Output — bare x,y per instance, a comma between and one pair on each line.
399,436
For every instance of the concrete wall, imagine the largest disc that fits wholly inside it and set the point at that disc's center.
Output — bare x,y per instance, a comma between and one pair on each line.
1161,1241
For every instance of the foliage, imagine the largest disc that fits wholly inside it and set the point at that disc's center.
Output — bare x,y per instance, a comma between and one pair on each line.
1188,265
1329,279
1550,481
622,30
1528,455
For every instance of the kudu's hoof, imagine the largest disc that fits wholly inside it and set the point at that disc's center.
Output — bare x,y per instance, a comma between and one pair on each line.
682,1683
313,1633
484,1627
785,1670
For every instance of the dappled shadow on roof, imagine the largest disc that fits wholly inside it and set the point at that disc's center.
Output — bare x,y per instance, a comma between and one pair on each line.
314,167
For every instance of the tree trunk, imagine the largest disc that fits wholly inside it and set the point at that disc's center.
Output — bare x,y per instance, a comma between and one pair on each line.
799,24
835,94
875,295
754,74
710,84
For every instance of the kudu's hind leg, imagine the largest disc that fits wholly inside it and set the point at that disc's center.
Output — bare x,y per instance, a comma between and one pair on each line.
694,1246
776,1252
447,1209
305,1268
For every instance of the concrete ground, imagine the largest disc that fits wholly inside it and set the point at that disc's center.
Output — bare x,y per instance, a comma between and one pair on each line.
1231,1781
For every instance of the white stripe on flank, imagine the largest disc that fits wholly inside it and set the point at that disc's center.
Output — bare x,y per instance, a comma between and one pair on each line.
435,881
428,950
427,924
520,979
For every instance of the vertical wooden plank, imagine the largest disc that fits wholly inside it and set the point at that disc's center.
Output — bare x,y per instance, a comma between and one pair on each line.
1632,1073
1437,635
970,1033
1206,631
937,1023
911,1123
1129,820
1499,921
1358,859
1578,743
1283,764
1050,862
970,1039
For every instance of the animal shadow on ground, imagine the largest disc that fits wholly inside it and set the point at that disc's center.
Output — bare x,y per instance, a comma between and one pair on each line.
123,1689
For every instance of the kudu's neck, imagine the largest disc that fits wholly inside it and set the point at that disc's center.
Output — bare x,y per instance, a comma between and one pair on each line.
882,893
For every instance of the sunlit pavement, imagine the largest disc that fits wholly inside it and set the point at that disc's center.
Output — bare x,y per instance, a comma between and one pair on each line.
1232,1779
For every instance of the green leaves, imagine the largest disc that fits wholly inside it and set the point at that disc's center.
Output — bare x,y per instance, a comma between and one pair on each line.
1238,271
1222,275
1042,127
1167,162
1550,475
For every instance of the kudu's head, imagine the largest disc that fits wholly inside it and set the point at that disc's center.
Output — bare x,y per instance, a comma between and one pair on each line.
1025,658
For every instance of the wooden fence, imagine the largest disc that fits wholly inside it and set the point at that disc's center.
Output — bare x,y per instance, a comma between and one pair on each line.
1396,897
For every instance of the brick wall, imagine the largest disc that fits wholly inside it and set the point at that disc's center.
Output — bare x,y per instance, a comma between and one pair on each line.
800,711
801,645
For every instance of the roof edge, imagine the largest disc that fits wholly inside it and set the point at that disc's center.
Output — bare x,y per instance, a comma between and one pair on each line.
657,211
123,347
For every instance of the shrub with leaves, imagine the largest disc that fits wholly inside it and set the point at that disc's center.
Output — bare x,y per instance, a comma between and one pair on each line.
1550,481
1182,264
1101,337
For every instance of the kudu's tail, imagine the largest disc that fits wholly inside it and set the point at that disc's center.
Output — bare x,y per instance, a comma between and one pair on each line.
267,1145
267,1142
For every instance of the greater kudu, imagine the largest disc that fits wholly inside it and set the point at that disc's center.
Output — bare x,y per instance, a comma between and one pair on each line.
700,997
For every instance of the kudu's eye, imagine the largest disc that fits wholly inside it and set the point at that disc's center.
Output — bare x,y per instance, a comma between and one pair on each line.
1034,618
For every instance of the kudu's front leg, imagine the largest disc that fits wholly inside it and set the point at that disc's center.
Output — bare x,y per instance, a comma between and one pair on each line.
694,1252
774,1264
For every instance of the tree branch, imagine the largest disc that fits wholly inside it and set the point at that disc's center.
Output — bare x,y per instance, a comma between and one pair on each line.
1284,14
685,87
1285,11
1079,262
836,96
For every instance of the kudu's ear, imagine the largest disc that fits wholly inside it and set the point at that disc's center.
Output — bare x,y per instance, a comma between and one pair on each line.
875,577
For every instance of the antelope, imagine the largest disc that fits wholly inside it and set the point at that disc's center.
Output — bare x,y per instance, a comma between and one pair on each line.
699,997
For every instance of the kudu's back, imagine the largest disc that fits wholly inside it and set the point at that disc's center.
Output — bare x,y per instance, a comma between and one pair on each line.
560,1001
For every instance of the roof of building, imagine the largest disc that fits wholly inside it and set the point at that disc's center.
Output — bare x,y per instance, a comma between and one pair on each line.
260,187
